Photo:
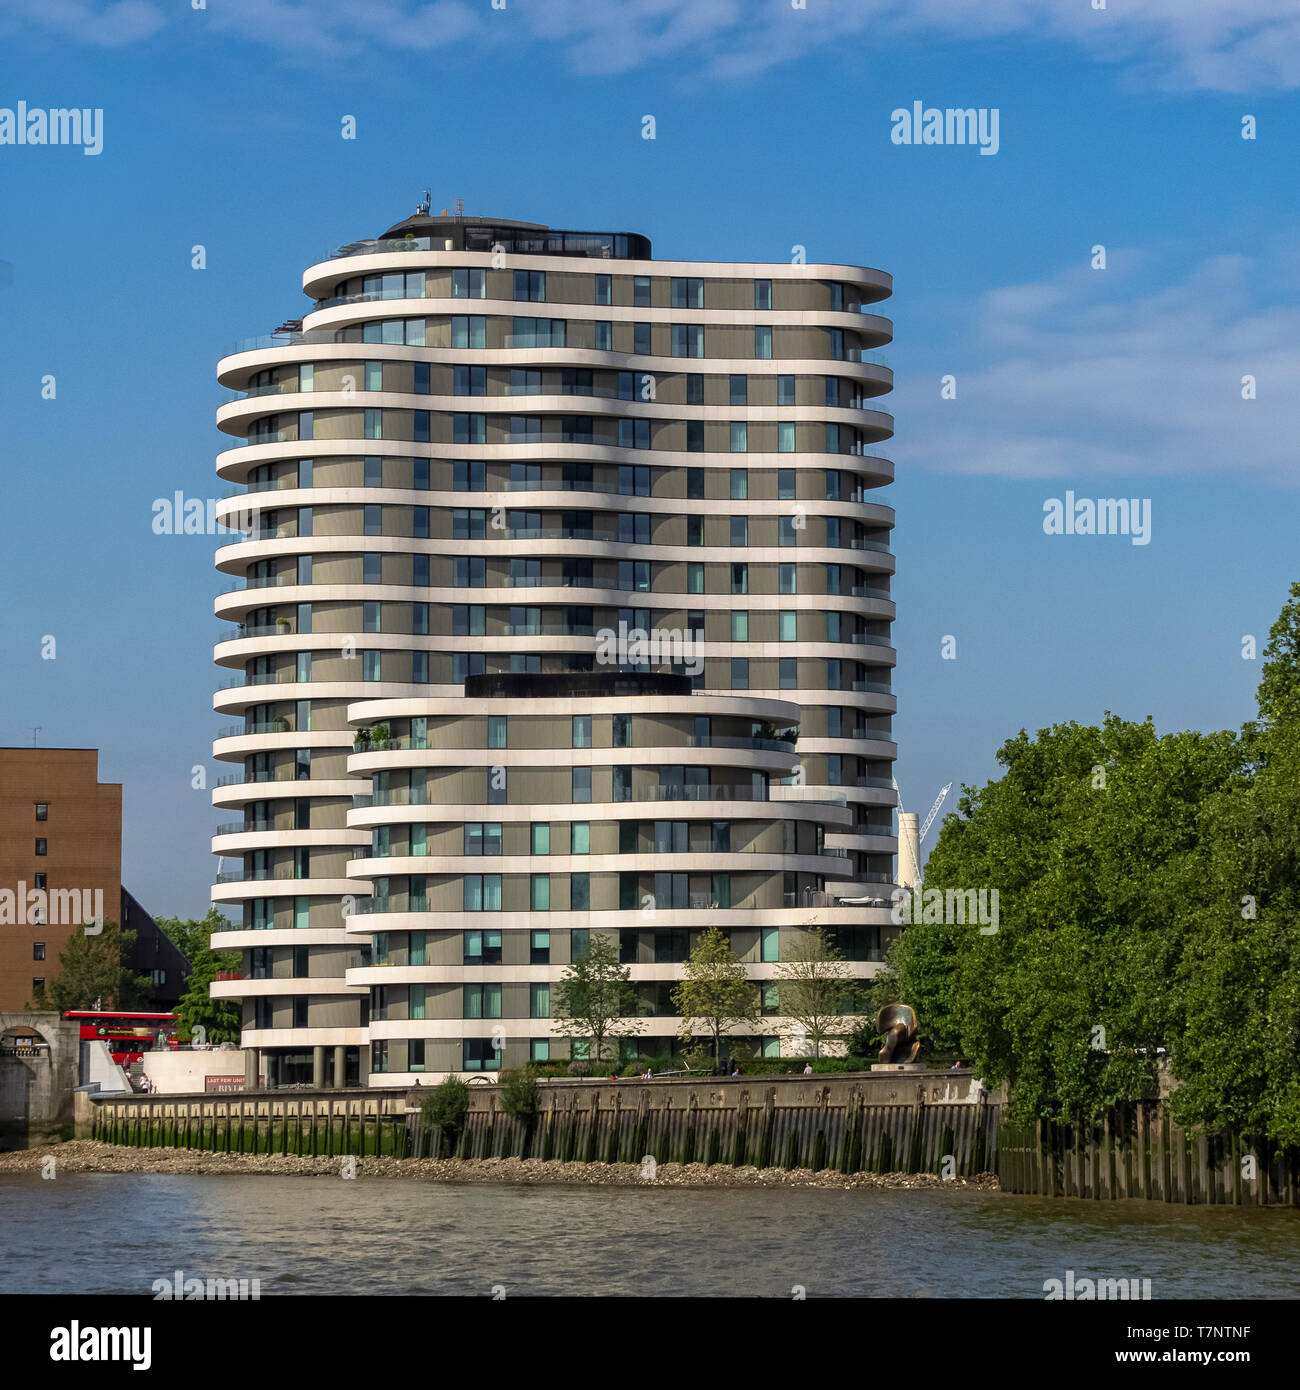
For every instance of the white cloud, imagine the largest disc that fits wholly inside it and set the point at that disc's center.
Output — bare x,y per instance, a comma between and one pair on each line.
1219,45
1087,374
103,25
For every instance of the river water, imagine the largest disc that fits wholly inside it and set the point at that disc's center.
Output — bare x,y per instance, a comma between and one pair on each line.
117,1233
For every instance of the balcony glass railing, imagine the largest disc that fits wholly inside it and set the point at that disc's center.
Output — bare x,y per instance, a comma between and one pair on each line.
380,246
271,581
274,726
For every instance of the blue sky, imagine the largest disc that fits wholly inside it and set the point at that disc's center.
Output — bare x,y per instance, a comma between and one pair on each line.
1119,128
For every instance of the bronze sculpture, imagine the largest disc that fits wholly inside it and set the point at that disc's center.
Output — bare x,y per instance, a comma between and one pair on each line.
898,1023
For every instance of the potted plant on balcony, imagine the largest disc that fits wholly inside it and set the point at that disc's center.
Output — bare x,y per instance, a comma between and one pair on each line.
379,737
283,626
361,743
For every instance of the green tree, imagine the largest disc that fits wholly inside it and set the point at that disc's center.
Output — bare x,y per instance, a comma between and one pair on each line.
191,935
816,986
218,1018
714,991
91,973
594,998
446,1107
1093,839
1236,1053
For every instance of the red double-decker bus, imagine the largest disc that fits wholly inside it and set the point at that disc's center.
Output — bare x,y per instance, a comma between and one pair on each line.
128,1035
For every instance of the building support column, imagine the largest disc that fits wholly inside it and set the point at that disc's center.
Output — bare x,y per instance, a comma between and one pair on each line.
318,1068
340,1068
251,1057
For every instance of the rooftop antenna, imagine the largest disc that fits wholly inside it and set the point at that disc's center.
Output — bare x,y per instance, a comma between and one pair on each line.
426,203
460,207
36,730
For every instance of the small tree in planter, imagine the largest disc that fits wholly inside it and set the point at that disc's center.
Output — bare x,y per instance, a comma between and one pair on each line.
816,985
715,990
595,1000
446,1108
361,741
521,1099
379,738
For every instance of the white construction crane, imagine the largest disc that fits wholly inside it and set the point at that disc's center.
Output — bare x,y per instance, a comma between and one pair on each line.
914,852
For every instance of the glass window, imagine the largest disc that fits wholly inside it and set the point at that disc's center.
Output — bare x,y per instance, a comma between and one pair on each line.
541,839
468,284
740,579
739,530
789,623
469,429
740,673
739,390
763,342
641,339
786,579
770,948
539,1001
604,289
762,294
582,731
581,837
581,784
482,1001
468,331
739,484
789,673
579,892
530,285
539,948
694,388
785,437
740,627
739,437
640,291
687,340
687,293
785,390
540,893
497,731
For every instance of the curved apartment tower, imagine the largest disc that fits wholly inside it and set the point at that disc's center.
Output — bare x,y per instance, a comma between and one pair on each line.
515,483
